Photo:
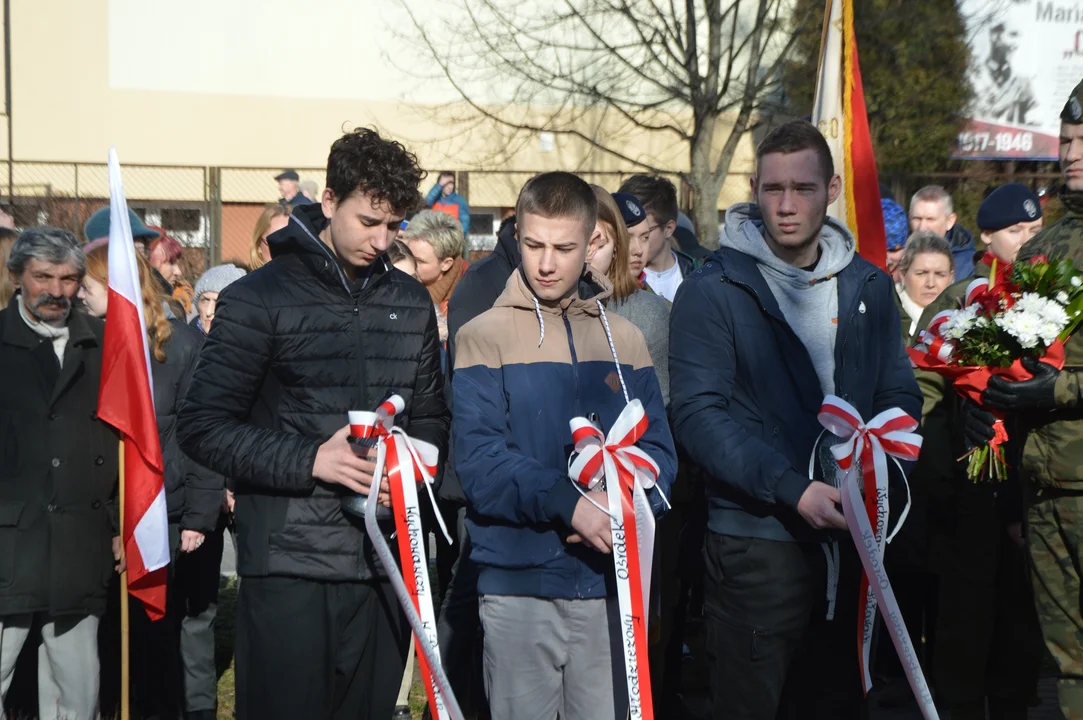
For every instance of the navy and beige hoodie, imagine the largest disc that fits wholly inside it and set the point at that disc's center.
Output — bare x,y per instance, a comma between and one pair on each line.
522,371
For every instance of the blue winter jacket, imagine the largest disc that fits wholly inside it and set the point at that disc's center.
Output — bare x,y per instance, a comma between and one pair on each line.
744,394
453,204
522,372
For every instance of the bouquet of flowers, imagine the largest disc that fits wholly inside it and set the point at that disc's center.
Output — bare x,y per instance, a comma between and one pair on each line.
1024,311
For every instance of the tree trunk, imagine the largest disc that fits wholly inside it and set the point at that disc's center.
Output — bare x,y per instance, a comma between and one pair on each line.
706,185
705,192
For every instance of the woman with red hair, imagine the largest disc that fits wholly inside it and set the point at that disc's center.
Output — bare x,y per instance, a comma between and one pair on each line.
164,254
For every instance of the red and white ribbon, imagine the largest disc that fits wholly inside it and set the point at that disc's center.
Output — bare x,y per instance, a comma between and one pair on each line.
628,473
408,462
938,346
976,287
891,433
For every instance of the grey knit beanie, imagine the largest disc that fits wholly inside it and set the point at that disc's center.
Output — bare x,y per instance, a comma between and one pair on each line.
217,279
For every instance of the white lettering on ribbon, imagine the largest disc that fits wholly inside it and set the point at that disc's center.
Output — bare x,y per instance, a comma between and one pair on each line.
628,473
889,433
408,461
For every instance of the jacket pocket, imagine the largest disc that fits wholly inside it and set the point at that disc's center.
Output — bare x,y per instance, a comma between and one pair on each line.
9,445
1050,454
10,512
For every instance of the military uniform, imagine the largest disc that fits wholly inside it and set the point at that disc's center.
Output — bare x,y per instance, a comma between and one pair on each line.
1051,468
987,639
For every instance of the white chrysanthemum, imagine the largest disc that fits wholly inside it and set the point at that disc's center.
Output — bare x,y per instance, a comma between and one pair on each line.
1062,297
1030,303
1033,320
1076,281
959,323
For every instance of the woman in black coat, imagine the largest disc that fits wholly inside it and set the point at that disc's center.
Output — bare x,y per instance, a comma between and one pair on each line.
193,494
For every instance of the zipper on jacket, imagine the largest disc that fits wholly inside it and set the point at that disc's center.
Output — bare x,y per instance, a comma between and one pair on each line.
575,360
763,308
846,337
328,253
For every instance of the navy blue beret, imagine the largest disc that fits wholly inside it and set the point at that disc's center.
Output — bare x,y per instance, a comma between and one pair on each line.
630,209
1008,205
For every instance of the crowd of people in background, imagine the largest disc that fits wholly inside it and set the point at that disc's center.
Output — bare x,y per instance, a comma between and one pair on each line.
592,297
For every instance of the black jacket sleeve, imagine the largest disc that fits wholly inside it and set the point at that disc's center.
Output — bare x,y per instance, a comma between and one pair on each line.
429,416
213,428
203,489
471,298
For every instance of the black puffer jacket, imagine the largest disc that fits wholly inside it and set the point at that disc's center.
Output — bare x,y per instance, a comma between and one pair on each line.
193,494
294,346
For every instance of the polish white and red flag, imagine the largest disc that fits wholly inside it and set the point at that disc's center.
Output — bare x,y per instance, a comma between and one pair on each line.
126,402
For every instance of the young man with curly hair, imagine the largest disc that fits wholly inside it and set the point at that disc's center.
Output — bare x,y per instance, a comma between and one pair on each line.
330,326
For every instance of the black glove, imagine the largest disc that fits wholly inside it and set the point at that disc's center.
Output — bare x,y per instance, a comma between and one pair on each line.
977,425
1038,393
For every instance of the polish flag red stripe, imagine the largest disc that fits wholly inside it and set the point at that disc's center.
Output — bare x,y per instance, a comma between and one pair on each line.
126,402
840,114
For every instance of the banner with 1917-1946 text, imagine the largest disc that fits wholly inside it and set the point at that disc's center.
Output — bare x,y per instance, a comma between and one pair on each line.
1026,56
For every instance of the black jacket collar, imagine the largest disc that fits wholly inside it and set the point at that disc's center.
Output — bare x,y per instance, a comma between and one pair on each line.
301,237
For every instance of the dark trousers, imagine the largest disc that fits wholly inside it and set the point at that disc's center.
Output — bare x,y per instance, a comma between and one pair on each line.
771,652
917,595
194,598
988,642
155,655
459,629
318,650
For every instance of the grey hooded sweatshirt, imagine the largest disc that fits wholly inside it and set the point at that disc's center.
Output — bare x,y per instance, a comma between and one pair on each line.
808,300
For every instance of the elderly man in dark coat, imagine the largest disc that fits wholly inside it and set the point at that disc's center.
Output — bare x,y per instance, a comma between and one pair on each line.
58,476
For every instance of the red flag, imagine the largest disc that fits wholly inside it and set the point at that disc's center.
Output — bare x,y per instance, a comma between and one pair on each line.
126,402
839,112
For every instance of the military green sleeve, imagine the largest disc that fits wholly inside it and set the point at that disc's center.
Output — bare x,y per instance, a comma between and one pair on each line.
1066,391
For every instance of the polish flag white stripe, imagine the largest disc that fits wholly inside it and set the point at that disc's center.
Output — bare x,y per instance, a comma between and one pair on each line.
126,401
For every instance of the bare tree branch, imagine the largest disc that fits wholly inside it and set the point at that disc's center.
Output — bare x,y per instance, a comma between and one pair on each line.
607,73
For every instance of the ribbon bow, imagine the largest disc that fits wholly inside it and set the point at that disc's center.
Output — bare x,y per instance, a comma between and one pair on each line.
615,454
938,346
889,434
377,429
412,587
628,473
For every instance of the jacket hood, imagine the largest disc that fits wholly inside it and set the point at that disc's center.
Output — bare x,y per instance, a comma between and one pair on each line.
960,238
506,245
301,237
743,232
593,287
594,290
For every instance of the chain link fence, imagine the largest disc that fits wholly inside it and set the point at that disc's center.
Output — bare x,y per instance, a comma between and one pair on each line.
213,211
67,194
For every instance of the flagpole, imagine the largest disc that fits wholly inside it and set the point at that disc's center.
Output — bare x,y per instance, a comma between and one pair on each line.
124,627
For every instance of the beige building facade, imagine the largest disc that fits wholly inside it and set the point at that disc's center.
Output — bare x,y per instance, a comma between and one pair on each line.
230,90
